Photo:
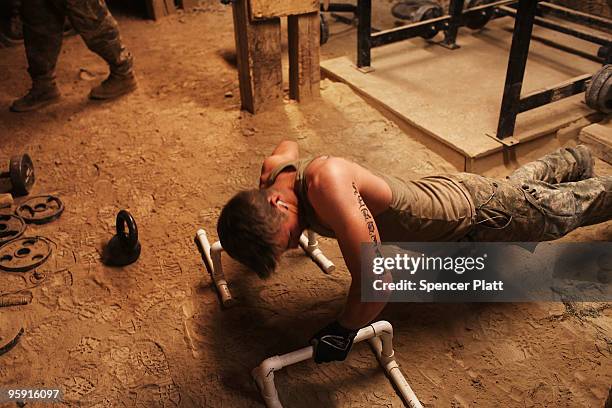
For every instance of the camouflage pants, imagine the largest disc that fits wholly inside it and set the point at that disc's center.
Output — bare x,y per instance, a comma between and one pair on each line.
43,27
542,200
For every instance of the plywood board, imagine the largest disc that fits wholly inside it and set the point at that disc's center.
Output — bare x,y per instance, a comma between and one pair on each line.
599,139
265,9
455,96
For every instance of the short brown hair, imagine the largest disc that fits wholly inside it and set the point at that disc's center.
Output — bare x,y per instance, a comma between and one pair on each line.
247,229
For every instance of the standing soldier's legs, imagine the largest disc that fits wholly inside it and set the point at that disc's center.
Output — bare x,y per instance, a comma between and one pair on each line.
93,21
43,26
563,165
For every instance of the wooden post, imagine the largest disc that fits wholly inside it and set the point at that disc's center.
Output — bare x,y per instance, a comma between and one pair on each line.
156,9
304,70
258,51
189,4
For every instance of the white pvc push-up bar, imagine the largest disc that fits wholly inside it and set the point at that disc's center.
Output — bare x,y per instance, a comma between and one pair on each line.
380,337
310,245
379,334
212,259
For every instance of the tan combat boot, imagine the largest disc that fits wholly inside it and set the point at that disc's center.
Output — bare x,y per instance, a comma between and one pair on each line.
114,86
42,94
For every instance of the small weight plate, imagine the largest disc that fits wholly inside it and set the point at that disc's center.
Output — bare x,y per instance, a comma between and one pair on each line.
40,209
24,254
22,174
599,93
478,19
429,12
412,10
11,227
324,33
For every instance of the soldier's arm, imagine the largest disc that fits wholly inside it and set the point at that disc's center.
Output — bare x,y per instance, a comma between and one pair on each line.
334,194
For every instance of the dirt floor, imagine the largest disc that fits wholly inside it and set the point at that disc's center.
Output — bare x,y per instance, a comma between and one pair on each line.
153,335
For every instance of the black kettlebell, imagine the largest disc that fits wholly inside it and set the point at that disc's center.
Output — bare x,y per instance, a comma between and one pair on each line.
124,248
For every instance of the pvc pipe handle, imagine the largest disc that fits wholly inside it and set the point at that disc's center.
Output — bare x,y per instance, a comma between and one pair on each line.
216,273
264,373
316,254
307,353
394,372
205,245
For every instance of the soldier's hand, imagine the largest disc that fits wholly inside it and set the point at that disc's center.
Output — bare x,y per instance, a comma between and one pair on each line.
332,343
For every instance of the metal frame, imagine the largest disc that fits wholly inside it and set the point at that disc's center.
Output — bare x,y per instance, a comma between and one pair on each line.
525,18
526,15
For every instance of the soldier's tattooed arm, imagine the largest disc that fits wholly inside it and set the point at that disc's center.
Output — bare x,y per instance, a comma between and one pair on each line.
336,199
369,219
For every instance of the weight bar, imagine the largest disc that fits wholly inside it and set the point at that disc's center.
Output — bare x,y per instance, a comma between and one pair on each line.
19,178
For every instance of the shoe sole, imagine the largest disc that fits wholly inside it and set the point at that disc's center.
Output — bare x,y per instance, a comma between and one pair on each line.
95,97
36,107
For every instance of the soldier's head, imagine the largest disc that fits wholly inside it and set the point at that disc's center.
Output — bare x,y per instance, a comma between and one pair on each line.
256,226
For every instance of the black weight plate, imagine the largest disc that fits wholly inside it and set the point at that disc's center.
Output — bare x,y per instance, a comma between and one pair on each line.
324,34
429,12
599,93
24,254
40,209
412,10
22,174
11,227
478,19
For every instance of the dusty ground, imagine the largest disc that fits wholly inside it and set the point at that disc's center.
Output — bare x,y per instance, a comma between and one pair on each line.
153,335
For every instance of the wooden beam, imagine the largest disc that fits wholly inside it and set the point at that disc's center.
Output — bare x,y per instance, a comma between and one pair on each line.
304,70
266,9
170,7
156,9
189,4
258,52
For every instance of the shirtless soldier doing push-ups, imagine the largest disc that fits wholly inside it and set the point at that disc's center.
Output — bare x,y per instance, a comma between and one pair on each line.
543,200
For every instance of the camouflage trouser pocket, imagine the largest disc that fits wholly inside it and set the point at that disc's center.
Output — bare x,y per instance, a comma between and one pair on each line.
558,206
550,199
502,211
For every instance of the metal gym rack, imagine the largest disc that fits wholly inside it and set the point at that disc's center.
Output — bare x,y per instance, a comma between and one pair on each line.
526,14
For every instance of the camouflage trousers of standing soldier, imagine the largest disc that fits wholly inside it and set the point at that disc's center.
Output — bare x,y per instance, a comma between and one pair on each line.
541,201
43,28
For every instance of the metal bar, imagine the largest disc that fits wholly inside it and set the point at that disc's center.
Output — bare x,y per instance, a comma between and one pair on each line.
490,5
450,35
343,19
569,50
577,16
408,31
364,32
521,38
340,8
562,28
552,94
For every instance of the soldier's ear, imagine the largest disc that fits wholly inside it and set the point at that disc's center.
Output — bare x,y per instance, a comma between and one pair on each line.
274,197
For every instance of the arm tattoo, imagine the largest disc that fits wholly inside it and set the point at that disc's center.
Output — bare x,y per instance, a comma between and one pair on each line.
367,216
